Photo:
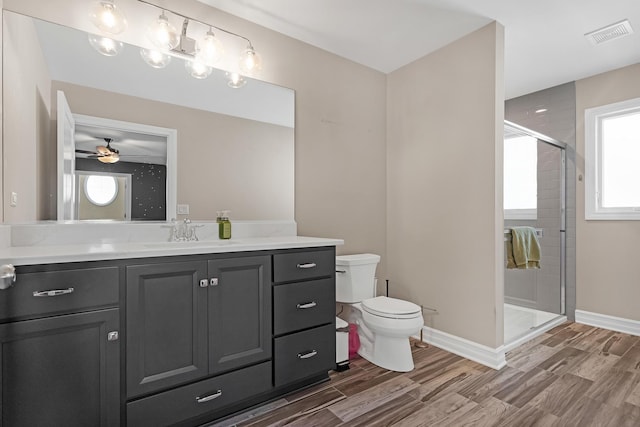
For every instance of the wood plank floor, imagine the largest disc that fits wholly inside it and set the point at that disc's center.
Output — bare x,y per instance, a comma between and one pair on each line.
573,375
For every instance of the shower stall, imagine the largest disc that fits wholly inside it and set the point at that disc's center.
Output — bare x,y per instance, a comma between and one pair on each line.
534,196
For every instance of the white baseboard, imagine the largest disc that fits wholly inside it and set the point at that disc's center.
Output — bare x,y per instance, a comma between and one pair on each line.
619,324
491,357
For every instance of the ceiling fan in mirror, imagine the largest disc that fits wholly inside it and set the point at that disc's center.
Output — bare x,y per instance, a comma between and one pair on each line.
104,153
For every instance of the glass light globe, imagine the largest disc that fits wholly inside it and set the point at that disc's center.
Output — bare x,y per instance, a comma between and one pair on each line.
111,158
107,17
236,80
105,45
163,34
210,49
197,69
155,58
250,61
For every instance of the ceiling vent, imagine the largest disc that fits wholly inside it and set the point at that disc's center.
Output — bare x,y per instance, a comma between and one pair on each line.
610,32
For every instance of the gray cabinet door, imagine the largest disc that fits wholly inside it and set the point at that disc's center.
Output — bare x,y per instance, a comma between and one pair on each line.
61,371
166,325
239,312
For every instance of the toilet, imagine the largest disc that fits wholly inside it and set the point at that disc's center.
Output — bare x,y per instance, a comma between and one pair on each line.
384,324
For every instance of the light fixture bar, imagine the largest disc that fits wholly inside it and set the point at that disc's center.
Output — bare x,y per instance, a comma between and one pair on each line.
198,21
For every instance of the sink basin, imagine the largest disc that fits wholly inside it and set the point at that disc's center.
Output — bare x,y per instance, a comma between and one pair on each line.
191,244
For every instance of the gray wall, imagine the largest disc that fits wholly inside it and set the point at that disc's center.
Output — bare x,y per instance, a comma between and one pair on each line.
558,122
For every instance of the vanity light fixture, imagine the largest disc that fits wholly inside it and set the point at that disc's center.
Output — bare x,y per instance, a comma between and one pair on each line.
210,49
197,69
199,55
155,58
250,61
163,34
236,80
206,51
106,16
105,45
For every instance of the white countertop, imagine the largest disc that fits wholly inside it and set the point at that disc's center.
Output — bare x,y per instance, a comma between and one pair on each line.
29,255
48,243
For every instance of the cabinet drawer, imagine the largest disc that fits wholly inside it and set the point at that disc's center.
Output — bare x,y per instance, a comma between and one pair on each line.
298,306
75,290
304,354
291,266
199,398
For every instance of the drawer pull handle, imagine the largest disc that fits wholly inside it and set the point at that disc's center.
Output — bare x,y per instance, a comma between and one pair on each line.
307,265
307,354
306,305
215,395
53,293
341,271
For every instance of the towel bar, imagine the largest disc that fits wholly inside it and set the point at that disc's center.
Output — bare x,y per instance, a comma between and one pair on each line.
507,233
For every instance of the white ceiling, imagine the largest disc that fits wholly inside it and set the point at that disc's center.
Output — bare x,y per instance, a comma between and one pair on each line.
544,39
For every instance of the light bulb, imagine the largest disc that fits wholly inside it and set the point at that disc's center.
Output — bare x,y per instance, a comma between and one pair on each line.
105,45
107,17
197,69
163,34
236,80
250,61
155,58
210,49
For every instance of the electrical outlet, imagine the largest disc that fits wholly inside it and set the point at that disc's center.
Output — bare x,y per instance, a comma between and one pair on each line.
183,209
14,199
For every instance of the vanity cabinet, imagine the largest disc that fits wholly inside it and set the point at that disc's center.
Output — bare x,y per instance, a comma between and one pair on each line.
60,358
304,314
194,324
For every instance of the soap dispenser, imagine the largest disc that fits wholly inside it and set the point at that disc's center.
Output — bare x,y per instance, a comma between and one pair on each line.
224,226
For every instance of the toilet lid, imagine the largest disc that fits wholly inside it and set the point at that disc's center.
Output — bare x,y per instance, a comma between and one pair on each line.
391,307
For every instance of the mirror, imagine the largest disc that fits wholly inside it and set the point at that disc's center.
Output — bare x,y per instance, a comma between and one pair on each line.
234,147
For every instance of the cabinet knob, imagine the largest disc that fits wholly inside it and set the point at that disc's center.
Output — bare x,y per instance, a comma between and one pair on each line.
204,283
113,336
214,281
7,276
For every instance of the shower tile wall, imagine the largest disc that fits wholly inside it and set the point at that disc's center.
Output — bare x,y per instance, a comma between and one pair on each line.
559,122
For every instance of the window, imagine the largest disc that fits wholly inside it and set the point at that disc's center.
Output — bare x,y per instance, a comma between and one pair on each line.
101,190
612,156
520,177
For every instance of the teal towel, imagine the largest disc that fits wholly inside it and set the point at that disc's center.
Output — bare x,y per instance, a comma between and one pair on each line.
523,251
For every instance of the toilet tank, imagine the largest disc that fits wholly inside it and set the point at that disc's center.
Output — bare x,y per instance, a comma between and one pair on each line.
355,276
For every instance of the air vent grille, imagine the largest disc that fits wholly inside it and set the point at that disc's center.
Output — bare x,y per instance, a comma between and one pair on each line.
610,32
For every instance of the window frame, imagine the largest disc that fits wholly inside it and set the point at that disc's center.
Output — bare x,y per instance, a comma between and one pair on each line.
593,164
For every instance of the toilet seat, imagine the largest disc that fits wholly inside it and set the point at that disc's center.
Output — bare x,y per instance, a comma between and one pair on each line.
391,308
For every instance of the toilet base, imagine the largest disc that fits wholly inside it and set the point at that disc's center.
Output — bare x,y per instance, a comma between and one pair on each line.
392,353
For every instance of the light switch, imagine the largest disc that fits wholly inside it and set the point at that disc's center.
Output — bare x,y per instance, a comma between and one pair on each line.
14,199
183,209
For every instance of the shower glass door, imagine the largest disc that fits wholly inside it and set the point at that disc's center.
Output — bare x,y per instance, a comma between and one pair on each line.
534,196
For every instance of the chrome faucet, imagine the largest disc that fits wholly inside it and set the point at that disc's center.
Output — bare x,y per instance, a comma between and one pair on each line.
183,231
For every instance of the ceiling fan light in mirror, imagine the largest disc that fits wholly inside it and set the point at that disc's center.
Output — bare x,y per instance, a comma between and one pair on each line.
197,69
105,45
163,34
210,49
106,16
111,158
250,61
236,80
154,58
